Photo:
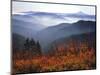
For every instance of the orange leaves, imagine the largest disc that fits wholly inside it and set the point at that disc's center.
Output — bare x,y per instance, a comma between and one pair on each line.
57,63
67,57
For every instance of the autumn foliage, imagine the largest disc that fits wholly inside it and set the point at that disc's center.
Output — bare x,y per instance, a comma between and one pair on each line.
73,55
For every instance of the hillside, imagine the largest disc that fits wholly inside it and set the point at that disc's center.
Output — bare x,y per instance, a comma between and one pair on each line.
48,35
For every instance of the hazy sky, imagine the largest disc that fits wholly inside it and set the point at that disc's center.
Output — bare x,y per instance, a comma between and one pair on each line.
18,7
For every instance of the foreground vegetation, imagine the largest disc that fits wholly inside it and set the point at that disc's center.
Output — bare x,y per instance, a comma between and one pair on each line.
82,57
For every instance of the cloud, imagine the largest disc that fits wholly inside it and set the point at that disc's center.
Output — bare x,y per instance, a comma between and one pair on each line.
54,8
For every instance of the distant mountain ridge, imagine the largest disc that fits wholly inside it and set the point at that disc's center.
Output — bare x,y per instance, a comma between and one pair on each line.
48,35
46,27
24,28
80,13
29,23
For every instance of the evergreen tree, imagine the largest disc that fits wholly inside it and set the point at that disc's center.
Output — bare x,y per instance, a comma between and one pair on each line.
32,46
27,44
38,47
32,42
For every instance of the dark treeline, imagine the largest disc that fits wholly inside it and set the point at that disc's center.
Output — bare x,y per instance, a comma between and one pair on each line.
33,46
29,49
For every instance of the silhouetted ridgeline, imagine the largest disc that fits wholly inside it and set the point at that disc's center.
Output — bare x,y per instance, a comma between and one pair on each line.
50,34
